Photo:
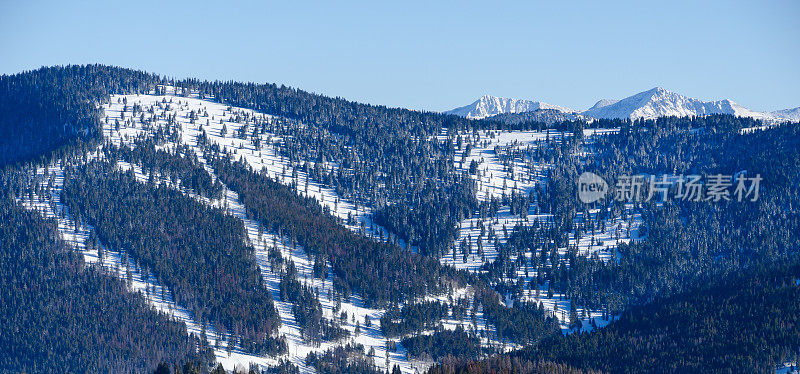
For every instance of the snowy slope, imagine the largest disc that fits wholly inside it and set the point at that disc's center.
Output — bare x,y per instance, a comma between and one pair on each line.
505,165
658,102
494,179
787,114
117,262
603,103
267,158
488,106
371,337
213,116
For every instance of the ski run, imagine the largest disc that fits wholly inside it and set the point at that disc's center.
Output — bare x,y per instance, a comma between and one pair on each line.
220,122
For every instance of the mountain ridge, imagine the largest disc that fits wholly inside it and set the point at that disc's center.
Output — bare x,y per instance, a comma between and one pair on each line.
659,102
487,106
653,103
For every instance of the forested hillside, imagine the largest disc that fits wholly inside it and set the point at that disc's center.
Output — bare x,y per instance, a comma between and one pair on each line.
306,233
743,323
198,252
712,285
381,272
59,315
688,242
53,110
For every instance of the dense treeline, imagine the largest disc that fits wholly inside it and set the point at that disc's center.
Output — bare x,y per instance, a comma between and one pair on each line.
58,315
388,158
199,252
379,271
524,323
283,367
53,111
429,217
195,367
348,359
456,343
412,318
178,165
503,365
341,115
745,323
687,242
306,307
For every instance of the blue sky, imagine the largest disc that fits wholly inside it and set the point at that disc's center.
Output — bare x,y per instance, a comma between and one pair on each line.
432,56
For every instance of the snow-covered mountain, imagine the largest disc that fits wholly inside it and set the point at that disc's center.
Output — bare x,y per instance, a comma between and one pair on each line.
658,102
603,103
653,103
787,114
488,106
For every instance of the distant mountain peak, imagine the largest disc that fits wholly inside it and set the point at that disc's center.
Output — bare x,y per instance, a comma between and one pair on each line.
603,102
659,102
653,103
488,105
787,114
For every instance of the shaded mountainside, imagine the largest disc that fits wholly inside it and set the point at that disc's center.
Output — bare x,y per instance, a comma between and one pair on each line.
744,323
60,316
199,252
46,111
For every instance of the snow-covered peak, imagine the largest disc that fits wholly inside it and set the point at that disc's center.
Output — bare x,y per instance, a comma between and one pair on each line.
658,102
653,103
787,114
487,106
603,102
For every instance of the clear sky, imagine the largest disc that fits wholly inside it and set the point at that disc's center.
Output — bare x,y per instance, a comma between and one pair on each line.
430,56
